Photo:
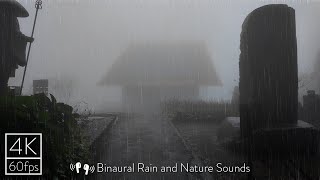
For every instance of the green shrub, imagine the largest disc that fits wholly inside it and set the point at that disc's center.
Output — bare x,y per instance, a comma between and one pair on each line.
63,142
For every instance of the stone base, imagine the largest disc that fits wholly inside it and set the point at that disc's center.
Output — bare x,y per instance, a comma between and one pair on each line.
294,141
229,129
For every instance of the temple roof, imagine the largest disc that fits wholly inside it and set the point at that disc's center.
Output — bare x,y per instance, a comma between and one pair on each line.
163,64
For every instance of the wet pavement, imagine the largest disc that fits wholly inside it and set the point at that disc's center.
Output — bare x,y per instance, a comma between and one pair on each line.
202,139
147,139
155,141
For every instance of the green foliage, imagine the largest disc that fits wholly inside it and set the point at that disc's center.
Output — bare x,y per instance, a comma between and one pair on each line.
62,140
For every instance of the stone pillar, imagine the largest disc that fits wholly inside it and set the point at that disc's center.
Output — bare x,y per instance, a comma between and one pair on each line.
268,69
311,108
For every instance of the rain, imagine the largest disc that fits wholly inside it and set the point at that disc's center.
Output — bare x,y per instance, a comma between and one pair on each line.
207,89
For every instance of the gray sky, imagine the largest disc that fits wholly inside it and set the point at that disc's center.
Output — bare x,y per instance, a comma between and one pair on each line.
81,39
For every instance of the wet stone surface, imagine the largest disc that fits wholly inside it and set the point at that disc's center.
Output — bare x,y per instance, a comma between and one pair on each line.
147,139
202,138
93,127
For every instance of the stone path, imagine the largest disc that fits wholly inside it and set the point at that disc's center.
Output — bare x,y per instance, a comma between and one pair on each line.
202,138
147,139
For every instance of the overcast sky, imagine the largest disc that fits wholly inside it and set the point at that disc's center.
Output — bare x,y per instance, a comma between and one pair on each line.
81,39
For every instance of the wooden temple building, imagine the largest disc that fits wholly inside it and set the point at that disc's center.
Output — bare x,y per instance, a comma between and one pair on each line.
151,73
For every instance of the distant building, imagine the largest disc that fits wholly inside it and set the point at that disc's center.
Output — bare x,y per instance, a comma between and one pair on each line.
151,73
40,86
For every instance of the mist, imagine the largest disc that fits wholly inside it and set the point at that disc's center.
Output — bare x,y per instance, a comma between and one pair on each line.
81,39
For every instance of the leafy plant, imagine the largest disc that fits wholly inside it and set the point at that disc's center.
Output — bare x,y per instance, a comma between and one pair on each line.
63,142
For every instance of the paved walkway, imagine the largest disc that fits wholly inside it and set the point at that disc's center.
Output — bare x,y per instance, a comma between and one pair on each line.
202,138
147,139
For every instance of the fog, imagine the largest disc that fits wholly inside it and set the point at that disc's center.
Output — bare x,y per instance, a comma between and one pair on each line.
81,39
